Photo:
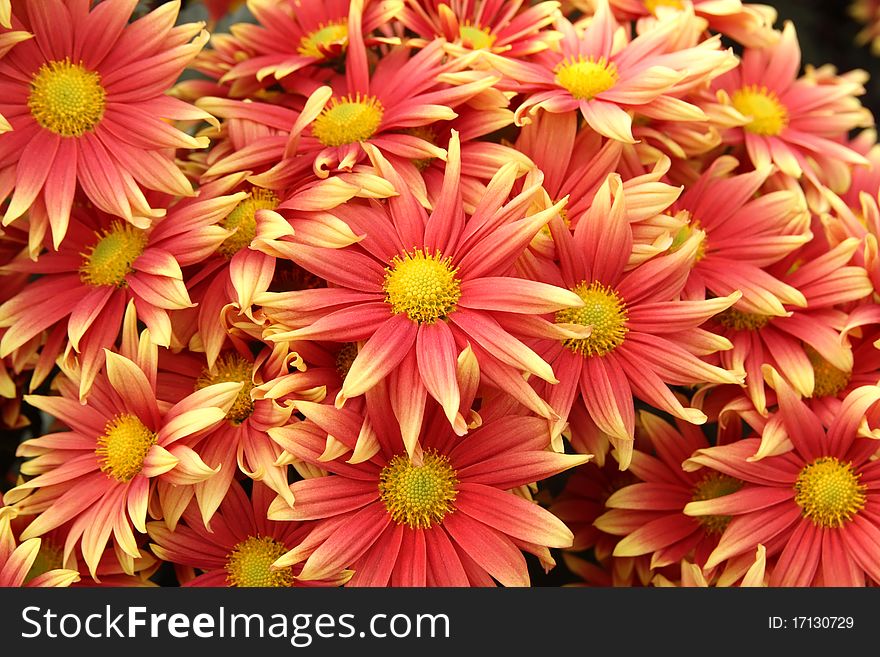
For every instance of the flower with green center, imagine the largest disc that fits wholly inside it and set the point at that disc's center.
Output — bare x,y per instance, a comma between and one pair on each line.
243,220
829,492
328,36
476,37
248,565
232,368
586,78
418,495
605,312
123,446
422,285
67,98
348,120
110,259
767,115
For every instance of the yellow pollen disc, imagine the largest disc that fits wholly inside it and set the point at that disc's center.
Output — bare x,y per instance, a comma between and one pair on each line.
713,485
652,5
243,220
66,98
769,116
348,120
423,286
586,78
829,492
740,321
124,446
48,558
345,358
476,37
109,260
605,311
418,495
317,44
248,564
232,368
830,381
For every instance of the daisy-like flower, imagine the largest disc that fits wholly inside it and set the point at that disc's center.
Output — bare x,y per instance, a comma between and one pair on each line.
643,339
17,561
103,265
745,232
789,121
99,475
291,35
649,514
498,27
825,280
241,545
445,518
816,506
86,101
606,77
420,288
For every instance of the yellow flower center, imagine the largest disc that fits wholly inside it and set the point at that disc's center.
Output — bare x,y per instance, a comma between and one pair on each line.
829,380
829,492
243,220
769,116
248,565
605,311
318,43
232,368
49,557
348,120
66,98
345,358
109,261
124,446
476,37
652,5
713,485
418,495
586,78
740,321
422,285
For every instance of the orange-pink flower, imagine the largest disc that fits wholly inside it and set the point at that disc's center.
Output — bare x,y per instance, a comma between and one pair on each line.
815,506
17,561
445,518
86,100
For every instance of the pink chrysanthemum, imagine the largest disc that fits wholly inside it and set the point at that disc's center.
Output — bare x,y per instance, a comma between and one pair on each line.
816,506
99,474
240,547
608,78
86,100
445,518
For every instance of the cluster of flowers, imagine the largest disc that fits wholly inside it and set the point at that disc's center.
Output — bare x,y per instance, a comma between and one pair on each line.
337,306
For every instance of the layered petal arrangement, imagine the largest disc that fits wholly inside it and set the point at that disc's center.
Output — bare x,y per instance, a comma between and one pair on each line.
435,293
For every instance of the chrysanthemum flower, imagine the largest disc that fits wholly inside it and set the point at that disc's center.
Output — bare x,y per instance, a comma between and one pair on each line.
420,288
86,100
791,120
292,35
826,280
241,545
106,263
498,27
606,77
445,518
816,506
99,474
745,232
17,561
649,514
643,337
749,24
8,39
